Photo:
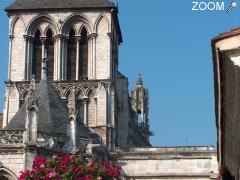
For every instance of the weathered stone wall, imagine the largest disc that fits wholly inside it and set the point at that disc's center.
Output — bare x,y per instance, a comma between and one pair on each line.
168,163
22,26
12,161
123,110
98,22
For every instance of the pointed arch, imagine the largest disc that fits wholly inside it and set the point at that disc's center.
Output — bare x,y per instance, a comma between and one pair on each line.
80,93
12,26
48,28
7,174
35,23
73,19
102,16
71,55
90,91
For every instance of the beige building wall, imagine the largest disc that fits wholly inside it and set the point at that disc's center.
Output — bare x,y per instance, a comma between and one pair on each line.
98,24
168,163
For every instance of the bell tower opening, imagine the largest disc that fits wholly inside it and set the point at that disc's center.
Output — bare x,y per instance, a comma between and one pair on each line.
71,56
49,45
37,55
83,55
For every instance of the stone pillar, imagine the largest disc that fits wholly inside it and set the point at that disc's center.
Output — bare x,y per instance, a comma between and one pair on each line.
85,102
28,57
110,55
65,57
55,71
63,60
94,44
77,38
10,57
96,120
26,67
90,62
43,40
58,58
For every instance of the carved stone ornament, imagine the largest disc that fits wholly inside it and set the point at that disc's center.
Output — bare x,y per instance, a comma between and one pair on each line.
11,137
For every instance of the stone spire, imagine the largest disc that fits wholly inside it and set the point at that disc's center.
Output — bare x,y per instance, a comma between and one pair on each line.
140,106
139,80
31,114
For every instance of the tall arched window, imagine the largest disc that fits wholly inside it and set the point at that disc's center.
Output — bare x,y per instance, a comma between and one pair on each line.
83,55
71,56
49,46
37,55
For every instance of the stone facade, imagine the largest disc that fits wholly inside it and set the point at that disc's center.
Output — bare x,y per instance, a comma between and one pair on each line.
168,163
64,92
99,91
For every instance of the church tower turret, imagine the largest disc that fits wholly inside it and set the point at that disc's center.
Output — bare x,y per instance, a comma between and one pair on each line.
140,106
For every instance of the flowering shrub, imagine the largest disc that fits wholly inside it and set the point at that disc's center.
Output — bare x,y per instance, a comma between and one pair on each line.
71,167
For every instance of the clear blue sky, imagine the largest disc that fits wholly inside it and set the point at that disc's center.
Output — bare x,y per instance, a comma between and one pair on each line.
170,45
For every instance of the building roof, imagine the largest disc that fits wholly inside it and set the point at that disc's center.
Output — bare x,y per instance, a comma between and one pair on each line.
58,4
52,113
232,32
43,5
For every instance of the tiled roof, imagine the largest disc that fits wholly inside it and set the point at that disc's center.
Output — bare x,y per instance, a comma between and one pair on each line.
232,32
58,4
52,114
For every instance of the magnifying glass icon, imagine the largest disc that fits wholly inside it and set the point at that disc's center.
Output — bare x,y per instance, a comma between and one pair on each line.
233,5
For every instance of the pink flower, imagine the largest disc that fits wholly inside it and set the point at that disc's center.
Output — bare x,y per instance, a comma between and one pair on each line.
50,173
92,166
24,174
75,169
88,177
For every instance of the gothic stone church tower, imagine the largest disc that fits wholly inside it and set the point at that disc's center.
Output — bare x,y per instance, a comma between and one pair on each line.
64,90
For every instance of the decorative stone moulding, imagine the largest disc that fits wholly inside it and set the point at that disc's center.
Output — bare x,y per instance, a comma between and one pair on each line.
11,137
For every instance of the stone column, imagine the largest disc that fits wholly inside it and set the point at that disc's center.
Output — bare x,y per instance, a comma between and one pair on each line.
94,45
63,59
55,73
28,53
96,120
110,55
85,103
26,67
77,39
43,40
109,107
90,63
58,58
10,57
